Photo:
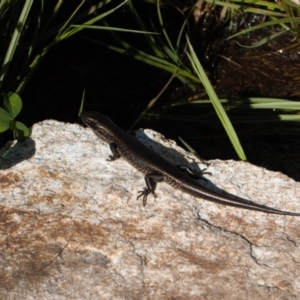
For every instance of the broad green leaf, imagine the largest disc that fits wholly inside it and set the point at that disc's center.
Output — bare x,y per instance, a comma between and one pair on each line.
4,115
19,129
22,131
5,118
13,104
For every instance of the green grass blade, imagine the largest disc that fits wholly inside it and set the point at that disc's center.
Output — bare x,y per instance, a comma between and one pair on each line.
170,49
81,103
245,9
215,102
151,60
255,103
266,4
265,24
151,41
191,149
112,29
65,34
264,40
15,39
71,31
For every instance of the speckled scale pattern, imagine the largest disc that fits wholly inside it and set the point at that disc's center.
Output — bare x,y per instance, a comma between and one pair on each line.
140,165
133,159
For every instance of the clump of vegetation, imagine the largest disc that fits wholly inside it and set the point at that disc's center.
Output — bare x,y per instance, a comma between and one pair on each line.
175,54
27,33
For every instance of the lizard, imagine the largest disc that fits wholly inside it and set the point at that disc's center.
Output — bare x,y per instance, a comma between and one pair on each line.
157,169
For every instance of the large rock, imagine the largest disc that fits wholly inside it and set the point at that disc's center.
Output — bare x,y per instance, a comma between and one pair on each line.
71,227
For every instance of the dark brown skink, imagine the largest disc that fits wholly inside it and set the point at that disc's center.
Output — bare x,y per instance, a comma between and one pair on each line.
159,169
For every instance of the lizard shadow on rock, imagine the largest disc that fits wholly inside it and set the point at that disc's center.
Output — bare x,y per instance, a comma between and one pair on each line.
180,159
17,153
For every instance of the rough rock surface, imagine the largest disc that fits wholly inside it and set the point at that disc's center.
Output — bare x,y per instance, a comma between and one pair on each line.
71,227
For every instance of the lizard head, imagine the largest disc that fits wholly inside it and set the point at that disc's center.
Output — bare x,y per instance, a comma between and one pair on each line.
100,124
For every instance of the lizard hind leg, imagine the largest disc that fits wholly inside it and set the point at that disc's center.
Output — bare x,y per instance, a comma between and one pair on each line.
188,171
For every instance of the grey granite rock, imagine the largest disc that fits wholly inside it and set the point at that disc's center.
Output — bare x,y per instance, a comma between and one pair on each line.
71,227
